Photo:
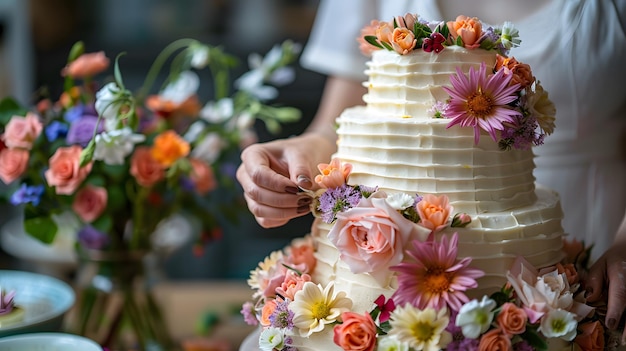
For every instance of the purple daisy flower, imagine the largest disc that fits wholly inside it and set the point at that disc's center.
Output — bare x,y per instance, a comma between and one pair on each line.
481,101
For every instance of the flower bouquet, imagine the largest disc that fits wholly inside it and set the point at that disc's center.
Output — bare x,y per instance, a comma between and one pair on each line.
120,162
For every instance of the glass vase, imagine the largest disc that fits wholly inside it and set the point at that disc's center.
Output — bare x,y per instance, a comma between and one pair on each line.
115,301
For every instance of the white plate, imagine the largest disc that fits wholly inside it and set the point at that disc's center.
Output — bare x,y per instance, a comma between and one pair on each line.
48,342
45,301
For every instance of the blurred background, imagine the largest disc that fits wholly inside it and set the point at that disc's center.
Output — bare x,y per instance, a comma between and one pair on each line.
36,36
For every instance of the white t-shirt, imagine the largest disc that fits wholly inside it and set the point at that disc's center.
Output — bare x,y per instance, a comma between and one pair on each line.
577,49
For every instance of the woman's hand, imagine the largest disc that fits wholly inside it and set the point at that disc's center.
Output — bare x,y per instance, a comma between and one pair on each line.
271,173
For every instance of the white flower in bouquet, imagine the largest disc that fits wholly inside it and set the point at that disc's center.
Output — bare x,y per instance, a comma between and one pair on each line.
184,87
113,146
475,317
559,324
210,148
272,339
108,104
400,201
218,112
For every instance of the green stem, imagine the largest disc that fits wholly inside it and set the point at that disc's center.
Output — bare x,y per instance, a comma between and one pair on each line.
158,64
134,316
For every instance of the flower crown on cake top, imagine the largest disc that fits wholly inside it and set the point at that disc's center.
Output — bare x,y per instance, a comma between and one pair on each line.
506,101
430,309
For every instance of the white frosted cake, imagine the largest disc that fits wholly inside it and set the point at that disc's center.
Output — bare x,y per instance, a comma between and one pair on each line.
430,222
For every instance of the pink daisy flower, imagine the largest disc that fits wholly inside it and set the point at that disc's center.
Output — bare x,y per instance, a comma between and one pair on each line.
480,101
436,278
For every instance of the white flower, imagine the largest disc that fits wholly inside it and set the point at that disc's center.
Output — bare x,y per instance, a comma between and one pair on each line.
217,112
475,317
209,149
555,289
272,338
510,36
421,329
185,86
108,104
199,55
541,107
260,277
391,343
314,307
559,324
194,131
113,146
400,201
245,121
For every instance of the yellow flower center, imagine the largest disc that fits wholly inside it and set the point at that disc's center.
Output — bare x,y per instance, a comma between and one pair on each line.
320,310
422,331
558,325
437,280
479,104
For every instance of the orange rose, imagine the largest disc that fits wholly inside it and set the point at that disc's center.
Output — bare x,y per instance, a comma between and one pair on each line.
266,312
146,170
333,175
356,333
13,163
494,339
65,173
403,40
169,147
574,251
90,202
591,337
168,108
469,29
512,319
303,256
434,211
22,131
202,176
521,72
86,65
383,31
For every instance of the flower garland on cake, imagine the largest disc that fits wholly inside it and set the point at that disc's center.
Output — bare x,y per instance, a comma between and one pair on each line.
506,101
430,309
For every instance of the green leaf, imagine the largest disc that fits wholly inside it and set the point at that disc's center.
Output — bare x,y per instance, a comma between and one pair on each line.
287,114
272,126
443,30
373,40
42,228
8,108
535,340
459,41
117,73
87,154
77,49
104,224
387,46
114,171
116,198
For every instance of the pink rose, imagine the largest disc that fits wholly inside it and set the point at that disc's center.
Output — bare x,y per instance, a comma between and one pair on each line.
65,172
146,170
371,236
356,333
90,202
302,255
13,163
434,211
292,283
86,65
21,132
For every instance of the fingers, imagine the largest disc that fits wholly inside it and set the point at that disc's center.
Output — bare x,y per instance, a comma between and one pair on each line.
270,216
617,293
595,281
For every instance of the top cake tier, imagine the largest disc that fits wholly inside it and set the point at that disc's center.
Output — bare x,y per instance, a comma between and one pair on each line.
409,85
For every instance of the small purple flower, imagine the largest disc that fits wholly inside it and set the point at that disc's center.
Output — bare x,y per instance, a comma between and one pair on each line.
27,194
523,134
247,310
91,238
56,130
6,301
282,317
77,112
463,345
337,200
522,345
81,130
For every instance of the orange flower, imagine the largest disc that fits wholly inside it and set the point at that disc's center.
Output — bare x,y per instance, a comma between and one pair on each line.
86,65
574,251
434,211
494,339
521,72
512,319
356,333
169,147
403,40
570,272
169,109
202,176
90,202
266,312
591,337
68,98
469,29
370,30
65,173
383,31
146,170
334,174
13,163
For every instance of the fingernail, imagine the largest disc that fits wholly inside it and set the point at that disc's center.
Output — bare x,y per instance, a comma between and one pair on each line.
304,181
303,209
611,323
304,201
291,189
